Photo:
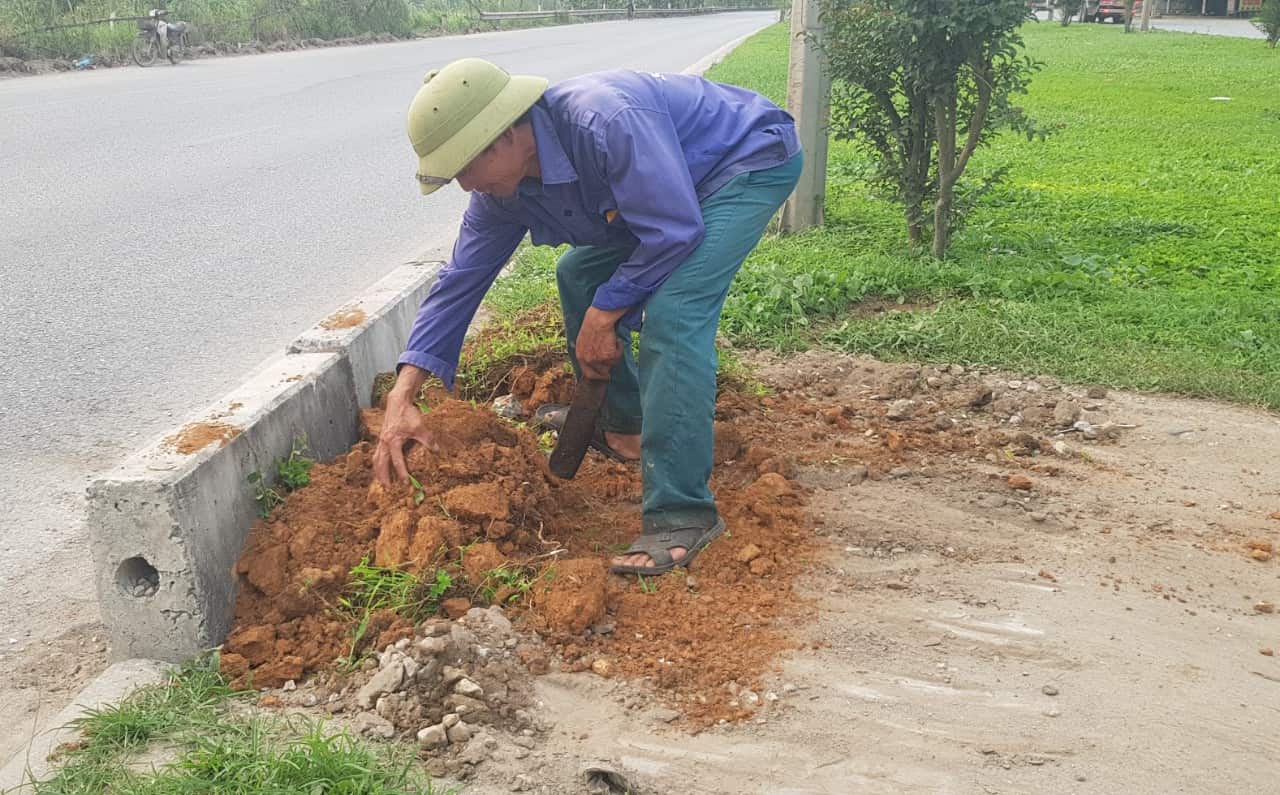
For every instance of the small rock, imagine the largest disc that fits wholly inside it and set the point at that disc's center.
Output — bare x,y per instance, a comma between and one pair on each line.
990,501
981,397
789,688
1266,652
1020,482
508,407
901,409
433,646
1096,393
1025,444
1260,544
1038,516
469,708
1264,607
432,737
1049,690
1052,713
762,567
748,553
604,629
522,783
372,725
1060,447
900,472
456,607
290,686
602,667
450,720
450,675
933,381
458,733
388,680
1065,413
1086,430
476,750
1260,555
665,714
468,688
955,369
857,474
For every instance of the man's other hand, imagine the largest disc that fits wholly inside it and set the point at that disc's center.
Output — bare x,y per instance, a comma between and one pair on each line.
402,423
598,348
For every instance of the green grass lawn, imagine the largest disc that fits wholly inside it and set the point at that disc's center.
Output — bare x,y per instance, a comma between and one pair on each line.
1139,246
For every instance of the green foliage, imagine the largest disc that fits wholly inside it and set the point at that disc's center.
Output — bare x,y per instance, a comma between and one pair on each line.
372,589
293,473
1267,20
920,85
419,494
215,749
1136,247
266,497
517,580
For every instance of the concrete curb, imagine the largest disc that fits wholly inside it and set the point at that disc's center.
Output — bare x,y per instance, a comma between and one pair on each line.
386,314
167,526
113,684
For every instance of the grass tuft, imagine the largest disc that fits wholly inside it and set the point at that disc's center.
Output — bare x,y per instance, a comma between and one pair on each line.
186,723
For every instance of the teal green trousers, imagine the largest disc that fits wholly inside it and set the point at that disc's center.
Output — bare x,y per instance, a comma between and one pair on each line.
668,396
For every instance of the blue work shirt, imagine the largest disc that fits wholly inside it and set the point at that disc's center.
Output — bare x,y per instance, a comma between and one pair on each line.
626,158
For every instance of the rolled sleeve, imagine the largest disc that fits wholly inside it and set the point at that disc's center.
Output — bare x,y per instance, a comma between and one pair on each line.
486,240
645,168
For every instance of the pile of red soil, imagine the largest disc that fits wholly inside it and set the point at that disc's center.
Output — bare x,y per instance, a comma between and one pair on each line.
488,500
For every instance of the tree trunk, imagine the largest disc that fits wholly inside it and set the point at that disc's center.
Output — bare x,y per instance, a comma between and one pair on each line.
945,116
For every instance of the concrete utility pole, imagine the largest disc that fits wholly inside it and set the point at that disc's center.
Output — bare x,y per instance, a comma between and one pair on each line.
1146,15
809,100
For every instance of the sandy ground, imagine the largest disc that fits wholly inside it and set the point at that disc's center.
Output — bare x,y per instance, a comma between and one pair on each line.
1097,633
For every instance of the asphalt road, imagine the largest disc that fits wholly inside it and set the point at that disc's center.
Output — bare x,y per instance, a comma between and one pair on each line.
162,231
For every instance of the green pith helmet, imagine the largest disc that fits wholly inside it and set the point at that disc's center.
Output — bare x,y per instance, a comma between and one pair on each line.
460,110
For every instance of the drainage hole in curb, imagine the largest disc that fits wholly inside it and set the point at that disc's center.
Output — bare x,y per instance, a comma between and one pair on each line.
137,577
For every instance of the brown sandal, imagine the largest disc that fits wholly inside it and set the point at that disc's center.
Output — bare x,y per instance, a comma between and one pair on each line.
658,547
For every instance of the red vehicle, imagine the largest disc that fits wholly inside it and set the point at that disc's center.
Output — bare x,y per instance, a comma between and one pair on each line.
1110,9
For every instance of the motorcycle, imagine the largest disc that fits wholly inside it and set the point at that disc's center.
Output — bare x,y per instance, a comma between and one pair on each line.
157,36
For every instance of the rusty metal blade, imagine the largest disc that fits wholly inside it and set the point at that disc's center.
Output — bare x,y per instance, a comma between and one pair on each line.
579,427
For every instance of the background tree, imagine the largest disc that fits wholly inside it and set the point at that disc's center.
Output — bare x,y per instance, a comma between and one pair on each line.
1070,9
1268,21
921,84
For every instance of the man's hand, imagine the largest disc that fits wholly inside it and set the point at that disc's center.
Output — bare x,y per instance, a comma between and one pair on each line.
598,348
402,423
